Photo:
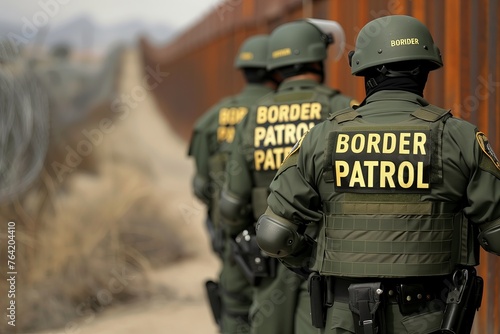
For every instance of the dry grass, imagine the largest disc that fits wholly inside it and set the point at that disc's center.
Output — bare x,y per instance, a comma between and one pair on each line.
91,242
88,247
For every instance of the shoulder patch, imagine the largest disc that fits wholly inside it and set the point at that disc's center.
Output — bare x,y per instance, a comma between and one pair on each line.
353,103
295,147
487,149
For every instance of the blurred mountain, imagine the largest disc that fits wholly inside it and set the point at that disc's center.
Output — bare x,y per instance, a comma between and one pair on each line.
82,33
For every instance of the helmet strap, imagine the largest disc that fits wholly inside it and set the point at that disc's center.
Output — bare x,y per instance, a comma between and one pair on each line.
406,80
395,74
256,75
387,73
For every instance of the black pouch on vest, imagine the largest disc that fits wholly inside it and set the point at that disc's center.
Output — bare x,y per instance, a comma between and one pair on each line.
411,298
366,305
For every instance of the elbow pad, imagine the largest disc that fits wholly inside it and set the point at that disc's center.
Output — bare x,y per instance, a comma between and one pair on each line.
278,237
489,237
233,207
235,212
200,186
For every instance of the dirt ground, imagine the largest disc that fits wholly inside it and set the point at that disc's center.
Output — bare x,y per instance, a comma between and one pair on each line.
185,310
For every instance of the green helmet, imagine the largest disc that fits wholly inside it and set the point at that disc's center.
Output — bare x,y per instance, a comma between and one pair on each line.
304,41
392,39
253,52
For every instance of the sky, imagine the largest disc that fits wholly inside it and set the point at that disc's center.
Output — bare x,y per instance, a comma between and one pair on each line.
177,13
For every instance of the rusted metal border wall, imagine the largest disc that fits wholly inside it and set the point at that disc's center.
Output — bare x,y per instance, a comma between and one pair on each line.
200,60
467,31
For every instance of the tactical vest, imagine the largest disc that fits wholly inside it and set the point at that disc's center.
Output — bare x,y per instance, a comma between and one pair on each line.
228,116
375,224
285,115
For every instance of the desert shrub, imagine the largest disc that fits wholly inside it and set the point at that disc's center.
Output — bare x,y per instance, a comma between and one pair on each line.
88,247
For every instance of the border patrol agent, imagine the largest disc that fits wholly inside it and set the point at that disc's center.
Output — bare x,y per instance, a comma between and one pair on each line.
403,193
263,139
213,133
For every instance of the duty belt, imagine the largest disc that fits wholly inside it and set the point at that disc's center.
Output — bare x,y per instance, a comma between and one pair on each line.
410,293
458,294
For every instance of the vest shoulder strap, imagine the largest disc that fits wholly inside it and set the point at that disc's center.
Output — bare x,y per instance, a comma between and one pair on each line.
344,115
266,99
326,90
431,113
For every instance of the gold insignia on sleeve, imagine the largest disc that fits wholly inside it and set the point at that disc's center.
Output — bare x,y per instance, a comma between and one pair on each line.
295,147
353,103
487,149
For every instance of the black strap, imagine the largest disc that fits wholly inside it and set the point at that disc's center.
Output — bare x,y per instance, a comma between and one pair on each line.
365,317
365,301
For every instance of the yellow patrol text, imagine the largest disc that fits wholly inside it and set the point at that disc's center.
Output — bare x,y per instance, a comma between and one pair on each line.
382,160
288,113
278,128
386,143
228,118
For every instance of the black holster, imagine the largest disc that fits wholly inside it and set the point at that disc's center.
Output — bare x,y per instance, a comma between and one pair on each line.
366,305
464,299
320,298
214,298
216,236
254,263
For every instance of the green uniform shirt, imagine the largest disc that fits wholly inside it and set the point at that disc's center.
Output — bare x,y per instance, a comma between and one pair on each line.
214,131
211,136
268,133
263,140
464,175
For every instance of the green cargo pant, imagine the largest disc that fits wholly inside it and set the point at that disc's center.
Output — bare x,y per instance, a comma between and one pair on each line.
281,305
339,320
236,295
